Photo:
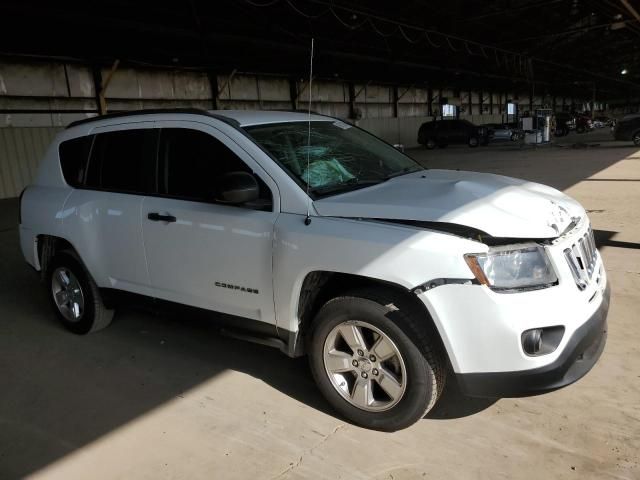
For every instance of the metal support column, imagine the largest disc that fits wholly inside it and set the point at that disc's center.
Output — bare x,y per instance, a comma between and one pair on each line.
293,93
352,101
213,86
97,87
394,93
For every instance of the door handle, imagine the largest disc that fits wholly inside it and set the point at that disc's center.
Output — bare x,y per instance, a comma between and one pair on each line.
156,217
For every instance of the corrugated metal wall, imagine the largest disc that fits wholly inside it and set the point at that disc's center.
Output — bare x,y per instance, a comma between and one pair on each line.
37,99
21,150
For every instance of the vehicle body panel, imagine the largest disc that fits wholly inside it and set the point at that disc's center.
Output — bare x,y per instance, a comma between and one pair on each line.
486,317
211,248
627,128
445,132
399,255
498,205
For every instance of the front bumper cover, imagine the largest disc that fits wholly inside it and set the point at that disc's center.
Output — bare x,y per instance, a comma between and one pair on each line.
578,357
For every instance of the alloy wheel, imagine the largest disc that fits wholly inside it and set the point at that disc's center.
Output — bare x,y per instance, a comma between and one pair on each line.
67,294
364,366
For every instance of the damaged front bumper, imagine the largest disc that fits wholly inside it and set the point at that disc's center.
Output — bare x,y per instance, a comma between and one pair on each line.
579,355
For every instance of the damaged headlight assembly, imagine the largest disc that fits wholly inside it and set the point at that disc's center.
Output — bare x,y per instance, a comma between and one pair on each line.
512,268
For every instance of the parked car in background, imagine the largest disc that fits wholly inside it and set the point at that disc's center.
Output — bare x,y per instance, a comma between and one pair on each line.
501,132
565,122
440,133
602,122
628,129
584,124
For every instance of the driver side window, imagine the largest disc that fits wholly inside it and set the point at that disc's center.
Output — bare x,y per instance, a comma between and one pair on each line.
190,163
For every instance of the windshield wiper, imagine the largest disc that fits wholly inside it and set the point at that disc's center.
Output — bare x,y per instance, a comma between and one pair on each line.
404,171
346,185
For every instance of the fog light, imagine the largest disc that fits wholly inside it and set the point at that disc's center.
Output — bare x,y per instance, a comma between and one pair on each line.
532,341
541,341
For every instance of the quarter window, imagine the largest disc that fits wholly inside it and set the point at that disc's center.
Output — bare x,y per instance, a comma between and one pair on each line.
74,154
122,161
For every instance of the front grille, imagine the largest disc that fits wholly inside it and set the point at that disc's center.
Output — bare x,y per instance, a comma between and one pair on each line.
582,257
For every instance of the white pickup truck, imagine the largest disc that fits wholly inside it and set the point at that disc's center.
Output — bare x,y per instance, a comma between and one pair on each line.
309,234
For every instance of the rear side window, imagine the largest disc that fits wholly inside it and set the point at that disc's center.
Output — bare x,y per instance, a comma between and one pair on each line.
74,154
123,161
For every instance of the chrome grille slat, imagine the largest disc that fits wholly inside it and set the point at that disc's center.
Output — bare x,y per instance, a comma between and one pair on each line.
582,257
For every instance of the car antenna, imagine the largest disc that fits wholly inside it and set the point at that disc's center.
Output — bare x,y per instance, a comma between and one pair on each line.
307,220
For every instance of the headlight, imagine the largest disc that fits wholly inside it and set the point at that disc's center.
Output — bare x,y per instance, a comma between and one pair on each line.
513,267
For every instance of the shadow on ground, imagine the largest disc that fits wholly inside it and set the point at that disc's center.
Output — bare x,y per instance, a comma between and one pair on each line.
604,238
61,391
453,404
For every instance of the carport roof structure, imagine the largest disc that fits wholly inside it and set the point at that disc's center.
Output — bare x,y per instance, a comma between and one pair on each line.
567,46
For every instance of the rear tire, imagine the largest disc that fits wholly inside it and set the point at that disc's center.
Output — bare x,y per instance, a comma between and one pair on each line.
387,376
474,142
75,297
430,144
635,138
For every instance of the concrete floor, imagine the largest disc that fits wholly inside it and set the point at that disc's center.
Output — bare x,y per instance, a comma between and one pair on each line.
154,397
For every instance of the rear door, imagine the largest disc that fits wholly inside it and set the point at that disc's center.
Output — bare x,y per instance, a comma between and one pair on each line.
201,252
102,216
458,132
441,131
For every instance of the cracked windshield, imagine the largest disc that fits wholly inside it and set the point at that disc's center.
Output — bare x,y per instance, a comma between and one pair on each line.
337,157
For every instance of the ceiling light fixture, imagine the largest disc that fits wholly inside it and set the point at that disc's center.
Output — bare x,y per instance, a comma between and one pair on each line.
624,71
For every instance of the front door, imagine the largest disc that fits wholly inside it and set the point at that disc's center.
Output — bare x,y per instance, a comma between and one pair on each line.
201,252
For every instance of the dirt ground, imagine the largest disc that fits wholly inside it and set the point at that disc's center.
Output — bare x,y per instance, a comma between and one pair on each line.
155,397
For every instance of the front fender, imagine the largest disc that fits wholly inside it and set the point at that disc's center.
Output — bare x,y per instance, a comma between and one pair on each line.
401,255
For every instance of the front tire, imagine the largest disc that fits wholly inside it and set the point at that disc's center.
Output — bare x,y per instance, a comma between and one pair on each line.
375,359
474,142
430,144
75,297
635,138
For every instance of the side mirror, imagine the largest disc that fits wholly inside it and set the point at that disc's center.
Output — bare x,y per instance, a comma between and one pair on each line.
237,188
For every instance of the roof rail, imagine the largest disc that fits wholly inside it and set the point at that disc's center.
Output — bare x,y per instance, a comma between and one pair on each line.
129,113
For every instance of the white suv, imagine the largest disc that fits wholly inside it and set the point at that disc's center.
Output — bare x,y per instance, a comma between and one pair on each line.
314,236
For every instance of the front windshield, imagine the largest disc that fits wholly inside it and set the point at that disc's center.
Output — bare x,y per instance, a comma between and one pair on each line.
338,158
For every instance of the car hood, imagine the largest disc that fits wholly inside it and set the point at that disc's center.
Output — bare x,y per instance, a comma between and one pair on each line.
497,205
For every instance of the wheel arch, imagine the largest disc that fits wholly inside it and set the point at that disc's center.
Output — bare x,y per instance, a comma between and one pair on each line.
320,286
47,246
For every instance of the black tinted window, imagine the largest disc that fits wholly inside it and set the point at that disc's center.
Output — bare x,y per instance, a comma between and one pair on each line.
192,161
74,154
122,161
